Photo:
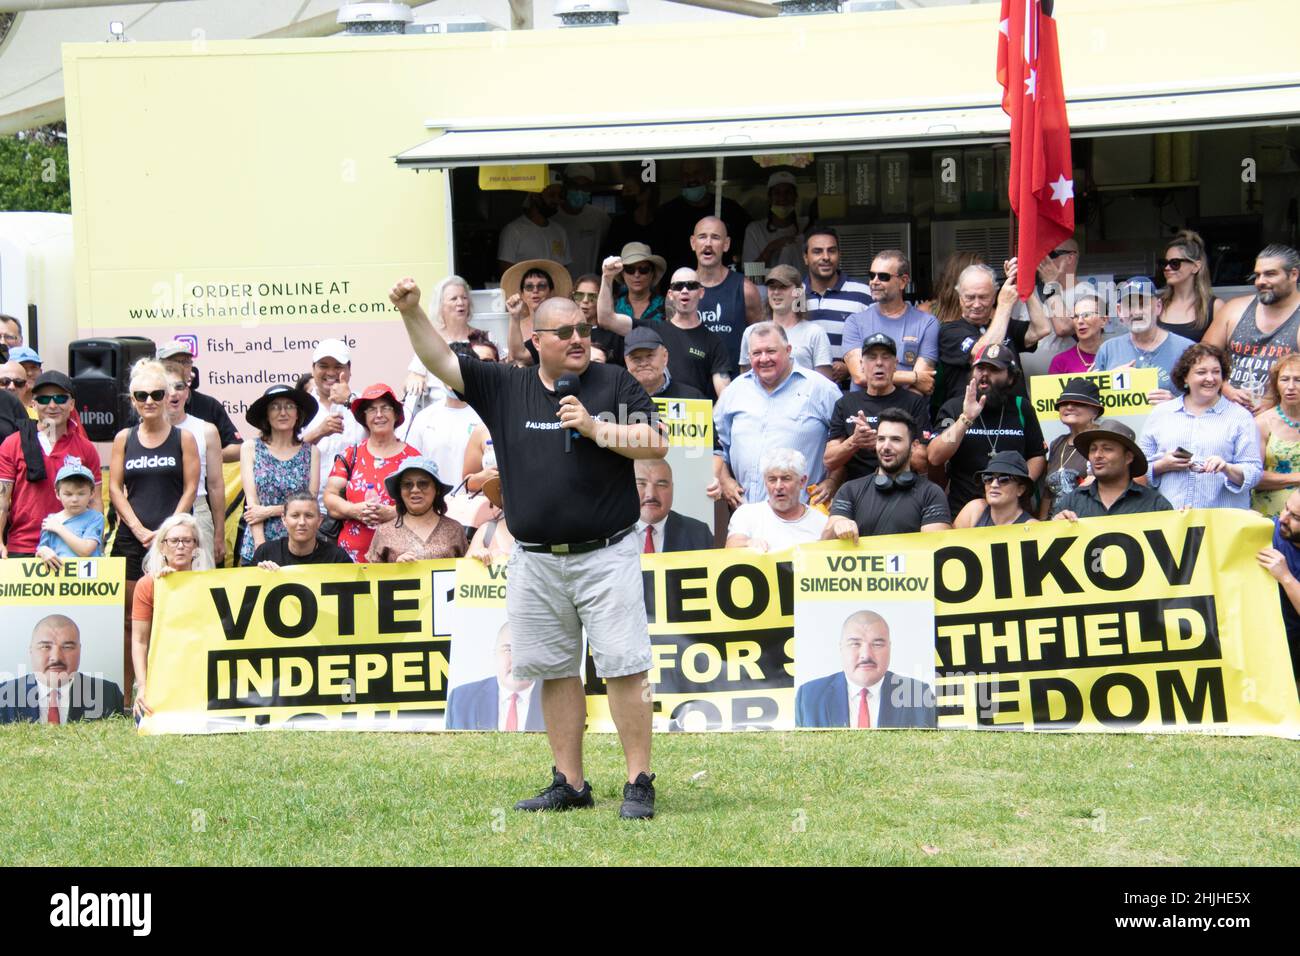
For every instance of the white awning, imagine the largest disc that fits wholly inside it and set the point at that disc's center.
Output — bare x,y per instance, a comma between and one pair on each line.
564,139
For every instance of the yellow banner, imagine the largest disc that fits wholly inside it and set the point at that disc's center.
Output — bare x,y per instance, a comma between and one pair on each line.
1123,392
526,177
335,647
1159,622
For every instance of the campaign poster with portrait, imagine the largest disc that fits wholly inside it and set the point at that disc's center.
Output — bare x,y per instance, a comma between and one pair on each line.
864,634
63,632
482,693
689,463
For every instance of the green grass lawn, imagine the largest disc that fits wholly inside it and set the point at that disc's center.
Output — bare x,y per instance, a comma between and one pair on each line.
94,794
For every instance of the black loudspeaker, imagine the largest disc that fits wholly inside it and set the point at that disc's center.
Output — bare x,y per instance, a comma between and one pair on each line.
100,371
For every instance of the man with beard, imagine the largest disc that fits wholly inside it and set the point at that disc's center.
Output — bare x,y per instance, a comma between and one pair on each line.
1115,459
782,520
851,441
1282,561
659,527
981,325
990,417
895,500
534,235
1147,345
865,693
1258,331
914,331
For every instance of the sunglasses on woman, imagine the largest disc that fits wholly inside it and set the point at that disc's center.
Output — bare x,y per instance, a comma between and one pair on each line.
584,296
684,286
157,395
998,480
62,398
643,269
565,332
1173,265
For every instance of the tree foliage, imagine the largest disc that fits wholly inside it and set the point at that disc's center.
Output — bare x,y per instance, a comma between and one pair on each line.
34,174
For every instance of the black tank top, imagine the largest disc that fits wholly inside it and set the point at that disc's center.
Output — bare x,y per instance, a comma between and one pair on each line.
1254,354
155,477
722,310
986,519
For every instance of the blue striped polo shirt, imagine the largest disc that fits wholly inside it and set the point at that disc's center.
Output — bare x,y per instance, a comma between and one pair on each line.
832,308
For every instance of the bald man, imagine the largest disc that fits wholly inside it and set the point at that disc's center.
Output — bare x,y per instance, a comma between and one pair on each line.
865,693
54,691
729,302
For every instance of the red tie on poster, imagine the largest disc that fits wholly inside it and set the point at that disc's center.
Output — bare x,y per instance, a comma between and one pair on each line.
649,540
53,717
512,715
864,712
1041,184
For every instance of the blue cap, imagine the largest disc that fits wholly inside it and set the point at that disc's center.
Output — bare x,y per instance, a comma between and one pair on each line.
73,468
393,482
1139,286
23,354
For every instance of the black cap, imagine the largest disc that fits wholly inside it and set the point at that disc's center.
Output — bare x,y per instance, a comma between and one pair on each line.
642,337
257,412
879,340
55,378
1082,391
999,356
1007,463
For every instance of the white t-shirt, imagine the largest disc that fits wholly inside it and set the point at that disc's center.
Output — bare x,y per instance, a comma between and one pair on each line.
809,345
195,426
523,239
332,445
441,432
758,522
758,235
586,230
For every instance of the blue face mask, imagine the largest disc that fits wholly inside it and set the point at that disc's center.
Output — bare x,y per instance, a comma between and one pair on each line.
694,193
577,198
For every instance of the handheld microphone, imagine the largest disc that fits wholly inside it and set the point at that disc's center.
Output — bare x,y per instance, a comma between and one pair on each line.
568,384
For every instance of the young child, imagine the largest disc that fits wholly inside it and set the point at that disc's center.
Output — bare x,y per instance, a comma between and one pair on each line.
78,530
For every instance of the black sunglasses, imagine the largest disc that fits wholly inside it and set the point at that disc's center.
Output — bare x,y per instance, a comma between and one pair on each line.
998,479
884,276
690,286
641,269
5,382
158,394
1173,264
62,398
565,332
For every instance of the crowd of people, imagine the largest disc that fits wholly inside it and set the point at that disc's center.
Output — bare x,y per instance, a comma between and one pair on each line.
841,410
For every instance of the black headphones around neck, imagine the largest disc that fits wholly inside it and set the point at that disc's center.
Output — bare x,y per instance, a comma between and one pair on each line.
888,484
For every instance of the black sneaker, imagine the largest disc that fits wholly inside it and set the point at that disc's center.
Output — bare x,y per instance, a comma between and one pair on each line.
560,796
638,798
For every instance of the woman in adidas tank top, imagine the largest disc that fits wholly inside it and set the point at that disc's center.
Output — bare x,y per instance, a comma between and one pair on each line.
154,474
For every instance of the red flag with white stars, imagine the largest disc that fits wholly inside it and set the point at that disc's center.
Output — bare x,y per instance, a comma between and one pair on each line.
1041,183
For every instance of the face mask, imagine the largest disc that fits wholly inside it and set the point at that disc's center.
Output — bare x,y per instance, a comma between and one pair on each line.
782,212
695,193
577,198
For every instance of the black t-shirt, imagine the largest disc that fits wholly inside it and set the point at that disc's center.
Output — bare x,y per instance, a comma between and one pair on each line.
865,462
676,389
1013,426
554,497
900,511
694,355
278,551
956,339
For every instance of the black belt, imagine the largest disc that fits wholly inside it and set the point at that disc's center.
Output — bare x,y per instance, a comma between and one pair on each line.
582,547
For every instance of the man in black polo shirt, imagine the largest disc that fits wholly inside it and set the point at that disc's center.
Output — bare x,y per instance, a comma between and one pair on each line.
989,418
851,439
570,491
1116,460
894,500
647,359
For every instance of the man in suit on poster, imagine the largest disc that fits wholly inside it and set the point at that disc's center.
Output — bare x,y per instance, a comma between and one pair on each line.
54,692
496,703
865,690
661,528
